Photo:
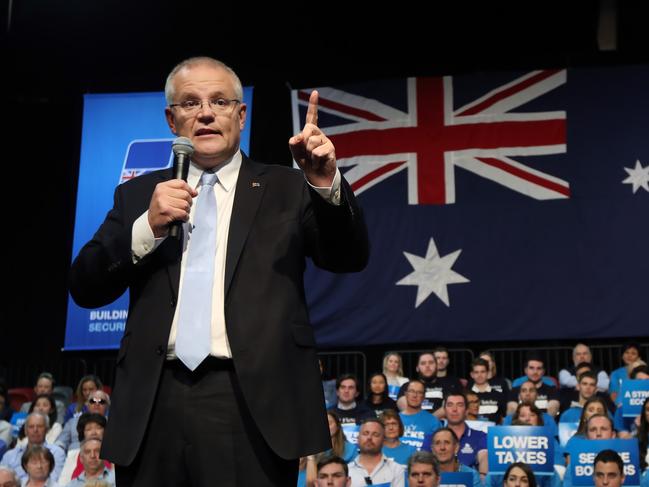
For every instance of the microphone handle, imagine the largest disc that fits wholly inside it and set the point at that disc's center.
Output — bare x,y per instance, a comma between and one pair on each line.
180,170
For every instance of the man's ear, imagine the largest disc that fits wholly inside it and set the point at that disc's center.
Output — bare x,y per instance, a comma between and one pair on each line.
171,121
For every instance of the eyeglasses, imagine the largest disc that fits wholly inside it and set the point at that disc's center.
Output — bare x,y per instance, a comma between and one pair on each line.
94,400
415,393
217,105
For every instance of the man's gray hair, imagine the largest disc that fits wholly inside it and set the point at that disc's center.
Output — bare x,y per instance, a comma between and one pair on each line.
194,61
38,414
87,440
11,472
425,457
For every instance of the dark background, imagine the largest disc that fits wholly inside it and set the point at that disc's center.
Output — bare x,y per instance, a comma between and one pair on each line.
55,52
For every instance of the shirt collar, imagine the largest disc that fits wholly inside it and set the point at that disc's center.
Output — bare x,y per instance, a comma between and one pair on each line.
227,172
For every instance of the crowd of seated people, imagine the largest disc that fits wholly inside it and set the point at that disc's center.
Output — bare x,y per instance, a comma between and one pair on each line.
440,421
48,443
408,429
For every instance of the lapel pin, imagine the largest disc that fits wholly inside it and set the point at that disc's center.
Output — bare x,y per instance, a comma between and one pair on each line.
255,184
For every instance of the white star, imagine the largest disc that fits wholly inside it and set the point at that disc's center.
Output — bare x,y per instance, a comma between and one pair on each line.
638,177
432,274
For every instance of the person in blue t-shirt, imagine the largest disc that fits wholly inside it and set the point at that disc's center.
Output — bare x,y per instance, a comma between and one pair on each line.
518,474
473,443
393,448
339,444
630,355
587,388
419,425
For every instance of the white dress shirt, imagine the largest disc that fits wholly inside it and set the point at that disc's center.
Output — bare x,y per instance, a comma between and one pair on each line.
143,242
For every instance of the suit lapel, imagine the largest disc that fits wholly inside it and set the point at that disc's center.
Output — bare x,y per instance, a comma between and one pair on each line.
247,198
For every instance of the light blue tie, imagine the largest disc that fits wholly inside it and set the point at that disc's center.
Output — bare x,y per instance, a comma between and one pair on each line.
193,335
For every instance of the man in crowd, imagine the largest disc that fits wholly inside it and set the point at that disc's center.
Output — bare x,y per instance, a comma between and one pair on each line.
547,399
493,403
473,443
436,387
36,426
587,388
568,376
349,411
423,470
8,478
443,361
332,471
608,469
418,425
371,466
93,466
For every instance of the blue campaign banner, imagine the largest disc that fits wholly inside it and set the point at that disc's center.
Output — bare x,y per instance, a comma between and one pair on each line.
566,431
123,136
456,479
393,391
583,452
633,394
533,445
17,420
351,431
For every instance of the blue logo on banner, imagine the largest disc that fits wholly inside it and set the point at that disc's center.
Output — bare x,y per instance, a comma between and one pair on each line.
583,452
456,479
143,156
17,420
633,392
393,391
533,445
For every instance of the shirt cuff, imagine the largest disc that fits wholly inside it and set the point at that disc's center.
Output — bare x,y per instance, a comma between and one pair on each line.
332,193
143,242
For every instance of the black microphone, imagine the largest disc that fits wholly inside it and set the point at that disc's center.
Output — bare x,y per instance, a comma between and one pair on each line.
183,150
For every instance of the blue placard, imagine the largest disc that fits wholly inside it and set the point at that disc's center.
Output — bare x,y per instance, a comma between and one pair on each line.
583,452
123,136
17,420
351,431
393,391
633,393
532,445
456,479
566,431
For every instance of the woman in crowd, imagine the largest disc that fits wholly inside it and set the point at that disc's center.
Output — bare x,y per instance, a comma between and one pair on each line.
38,462
44,403
630,355
529,414
87,385
445,446
393,371
339,444
519,474
393,447
377,398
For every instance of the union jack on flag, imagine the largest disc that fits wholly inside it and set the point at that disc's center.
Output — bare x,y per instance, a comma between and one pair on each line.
431,136
146,155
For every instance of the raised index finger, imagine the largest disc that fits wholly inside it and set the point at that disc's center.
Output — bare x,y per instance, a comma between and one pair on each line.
312,111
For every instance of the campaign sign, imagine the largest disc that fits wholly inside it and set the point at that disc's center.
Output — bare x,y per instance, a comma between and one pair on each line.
633,393
566,431
582,456
351,431
393,391
17,420
532,445
456,479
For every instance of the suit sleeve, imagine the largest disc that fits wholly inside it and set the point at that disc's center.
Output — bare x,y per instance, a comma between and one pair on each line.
336,236
102,270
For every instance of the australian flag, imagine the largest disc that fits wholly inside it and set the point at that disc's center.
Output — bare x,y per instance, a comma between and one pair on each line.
500,206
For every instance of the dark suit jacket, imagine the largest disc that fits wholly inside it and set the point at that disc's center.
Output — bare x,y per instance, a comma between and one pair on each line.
276,223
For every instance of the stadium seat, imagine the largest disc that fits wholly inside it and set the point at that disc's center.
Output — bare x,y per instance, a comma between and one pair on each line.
20,395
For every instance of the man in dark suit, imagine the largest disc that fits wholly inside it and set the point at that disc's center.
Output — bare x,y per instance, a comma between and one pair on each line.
254,404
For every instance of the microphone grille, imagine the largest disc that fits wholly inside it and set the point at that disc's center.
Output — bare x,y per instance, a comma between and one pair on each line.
182,145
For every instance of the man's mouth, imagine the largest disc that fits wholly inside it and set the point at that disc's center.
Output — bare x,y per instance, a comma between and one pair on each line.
206,131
